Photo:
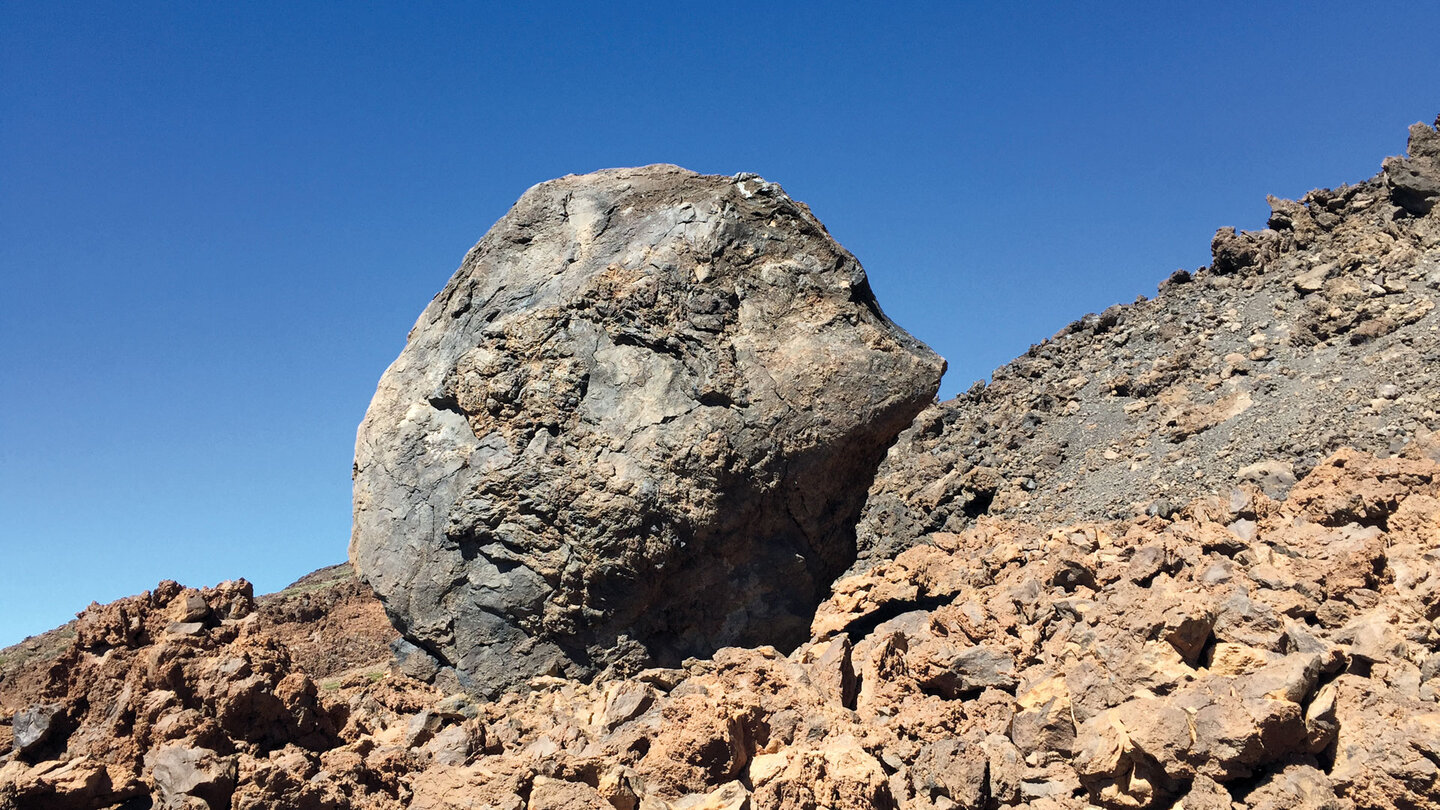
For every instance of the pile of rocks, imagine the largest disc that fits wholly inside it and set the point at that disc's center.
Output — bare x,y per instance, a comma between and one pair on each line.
1274,654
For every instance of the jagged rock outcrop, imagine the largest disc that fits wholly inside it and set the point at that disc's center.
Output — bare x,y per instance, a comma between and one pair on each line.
636,425
1315,333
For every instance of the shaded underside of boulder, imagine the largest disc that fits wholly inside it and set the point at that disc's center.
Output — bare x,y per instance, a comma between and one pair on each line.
637,424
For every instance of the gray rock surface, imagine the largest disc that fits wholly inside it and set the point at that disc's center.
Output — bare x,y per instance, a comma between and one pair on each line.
636,425
1317,332
35,726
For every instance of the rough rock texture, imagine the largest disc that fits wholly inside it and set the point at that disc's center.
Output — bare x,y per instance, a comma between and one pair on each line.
1315,333
636,425
1241,652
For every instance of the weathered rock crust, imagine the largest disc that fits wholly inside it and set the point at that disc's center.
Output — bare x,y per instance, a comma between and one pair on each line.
636,425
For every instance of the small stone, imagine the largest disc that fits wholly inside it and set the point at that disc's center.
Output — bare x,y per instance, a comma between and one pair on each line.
1243,529
1296,787
184,628
1206,794
1187,628
1147,563
1321,724
1312,280
1161,508
1045,720
1237,659
1218,572
1275,478
1298,639
558,794
973,669
1241,619
1072,574
950,774
421,728
456,707
189,607
729,796
663,678
451,746
765,767
629,700
1234,364
37,725
1292,678
833,670
1373,638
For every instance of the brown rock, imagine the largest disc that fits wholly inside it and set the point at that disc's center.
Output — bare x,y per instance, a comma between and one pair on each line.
1187,627
832,669
952,672
1045,719
556,794
188,607
1206,794
842,775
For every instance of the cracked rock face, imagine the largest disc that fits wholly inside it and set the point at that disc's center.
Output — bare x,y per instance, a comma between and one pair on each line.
636,425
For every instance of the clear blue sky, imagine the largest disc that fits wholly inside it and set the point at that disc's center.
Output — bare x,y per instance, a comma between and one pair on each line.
218,220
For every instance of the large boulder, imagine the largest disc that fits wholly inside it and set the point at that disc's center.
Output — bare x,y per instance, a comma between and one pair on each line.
637,424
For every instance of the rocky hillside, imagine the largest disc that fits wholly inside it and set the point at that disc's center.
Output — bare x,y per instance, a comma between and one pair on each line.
1316,333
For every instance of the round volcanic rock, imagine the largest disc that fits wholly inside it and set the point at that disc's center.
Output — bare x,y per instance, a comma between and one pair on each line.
638,424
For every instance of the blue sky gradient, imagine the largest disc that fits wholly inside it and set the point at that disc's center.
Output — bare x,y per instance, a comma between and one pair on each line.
219,220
